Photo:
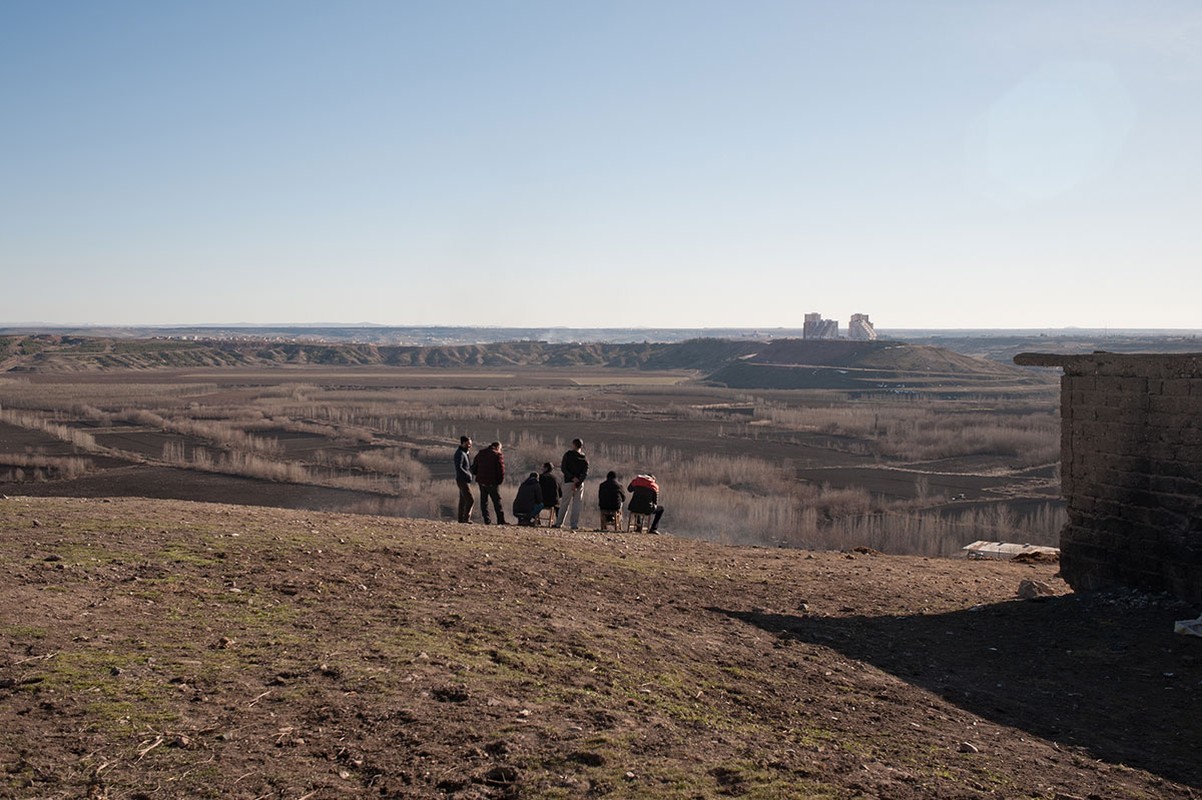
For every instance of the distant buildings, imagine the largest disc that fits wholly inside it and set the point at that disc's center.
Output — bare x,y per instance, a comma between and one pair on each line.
818,328
859,329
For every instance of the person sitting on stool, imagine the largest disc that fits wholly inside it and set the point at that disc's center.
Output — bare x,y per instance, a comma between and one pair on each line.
644,499
552,490
610,498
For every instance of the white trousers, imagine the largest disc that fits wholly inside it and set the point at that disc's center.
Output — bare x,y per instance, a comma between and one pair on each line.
573,498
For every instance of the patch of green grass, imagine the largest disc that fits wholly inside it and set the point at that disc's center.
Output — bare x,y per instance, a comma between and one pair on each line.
986,775
82,670
16,779
180,553
110,714
822,737
641,778
88,554
22,632
113,698
754,780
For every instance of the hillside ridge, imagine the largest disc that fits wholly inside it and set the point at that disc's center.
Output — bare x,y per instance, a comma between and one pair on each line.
53,353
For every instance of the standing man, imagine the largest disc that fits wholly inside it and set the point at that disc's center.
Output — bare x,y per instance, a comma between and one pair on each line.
463,479
489,467
575,470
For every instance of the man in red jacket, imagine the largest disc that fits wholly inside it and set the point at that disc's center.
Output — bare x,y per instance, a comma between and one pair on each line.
644,499
489,468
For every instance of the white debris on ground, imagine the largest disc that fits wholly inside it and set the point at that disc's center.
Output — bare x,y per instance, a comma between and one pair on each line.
1188,627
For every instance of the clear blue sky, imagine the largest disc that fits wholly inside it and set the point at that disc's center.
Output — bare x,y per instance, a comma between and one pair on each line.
686,163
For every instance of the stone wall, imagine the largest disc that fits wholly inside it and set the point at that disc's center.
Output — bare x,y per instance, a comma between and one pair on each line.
1131,470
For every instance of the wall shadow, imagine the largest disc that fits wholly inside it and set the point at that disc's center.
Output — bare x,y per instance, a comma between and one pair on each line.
1101,672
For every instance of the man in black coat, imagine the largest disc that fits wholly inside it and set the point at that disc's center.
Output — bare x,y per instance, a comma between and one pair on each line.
552,490
610,498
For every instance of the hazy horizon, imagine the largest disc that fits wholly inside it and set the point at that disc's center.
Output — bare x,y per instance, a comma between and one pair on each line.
300,326
667,164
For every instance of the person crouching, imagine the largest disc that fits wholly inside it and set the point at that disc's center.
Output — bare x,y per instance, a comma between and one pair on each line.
528,502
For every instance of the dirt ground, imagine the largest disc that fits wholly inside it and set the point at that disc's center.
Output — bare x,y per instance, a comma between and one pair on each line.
164,649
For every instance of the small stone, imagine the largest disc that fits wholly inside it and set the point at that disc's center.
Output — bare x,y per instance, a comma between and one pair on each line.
969,747
1035,590
37,523
116,671
629,776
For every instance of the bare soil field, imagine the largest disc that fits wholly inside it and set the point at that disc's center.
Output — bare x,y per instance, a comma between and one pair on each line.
165,649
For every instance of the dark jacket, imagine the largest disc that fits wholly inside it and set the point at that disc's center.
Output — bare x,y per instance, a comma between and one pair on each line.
529,497
610,496
574,465
463,466
644,495
552,491
489,466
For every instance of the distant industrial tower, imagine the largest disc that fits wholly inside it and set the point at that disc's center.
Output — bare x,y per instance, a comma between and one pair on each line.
818,328
860,328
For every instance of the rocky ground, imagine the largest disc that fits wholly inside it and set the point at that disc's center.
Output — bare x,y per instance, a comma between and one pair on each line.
162,649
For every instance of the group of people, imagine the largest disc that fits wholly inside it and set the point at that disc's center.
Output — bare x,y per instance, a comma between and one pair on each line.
542,490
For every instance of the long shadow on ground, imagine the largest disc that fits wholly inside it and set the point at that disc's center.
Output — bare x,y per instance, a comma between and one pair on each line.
1103,671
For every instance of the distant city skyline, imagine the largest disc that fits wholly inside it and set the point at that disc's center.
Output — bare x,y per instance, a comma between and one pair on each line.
667,163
